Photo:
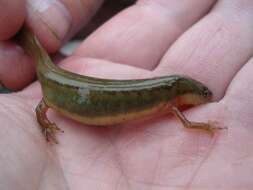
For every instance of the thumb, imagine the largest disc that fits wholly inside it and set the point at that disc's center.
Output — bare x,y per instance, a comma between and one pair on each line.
55,21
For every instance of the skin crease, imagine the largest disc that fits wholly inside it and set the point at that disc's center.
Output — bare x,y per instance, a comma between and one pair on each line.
215,47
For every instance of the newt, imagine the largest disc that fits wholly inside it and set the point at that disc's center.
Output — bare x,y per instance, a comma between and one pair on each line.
102,102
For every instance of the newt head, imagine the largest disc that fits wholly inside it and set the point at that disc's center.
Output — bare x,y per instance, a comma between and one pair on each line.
192,92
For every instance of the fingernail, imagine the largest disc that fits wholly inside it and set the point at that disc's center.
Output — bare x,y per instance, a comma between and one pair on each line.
53,14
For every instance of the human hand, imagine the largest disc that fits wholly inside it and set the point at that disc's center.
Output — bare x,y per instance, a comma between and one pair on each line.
158,154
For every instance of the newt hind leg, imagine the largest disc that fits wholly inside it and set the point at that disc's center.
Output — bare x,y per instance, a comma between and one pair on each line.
48,128
210,126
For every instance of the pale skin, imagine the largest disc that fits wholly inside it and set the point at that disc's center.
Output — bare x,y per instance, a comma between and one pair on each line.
157,154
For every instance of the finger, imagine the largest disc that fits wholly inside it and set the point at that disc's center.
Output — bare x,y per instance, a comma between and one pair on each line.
103,69
215,48
54,21
16,68
140,35
12,15
240,95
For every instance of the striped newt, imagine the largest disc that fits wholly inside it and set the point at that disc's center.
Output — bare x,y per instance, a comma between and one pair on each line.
101,102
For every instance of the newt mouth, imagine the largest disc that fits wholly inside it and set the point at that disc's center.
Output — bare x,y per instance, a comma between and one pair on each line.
193,99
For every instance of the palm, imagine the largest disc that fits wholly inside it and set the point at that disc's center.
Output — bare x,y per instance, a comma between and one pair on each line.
157,154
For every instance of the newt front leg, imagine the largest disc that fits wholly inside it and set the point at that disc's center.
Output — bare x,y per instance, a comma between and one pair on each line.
48,128
210,126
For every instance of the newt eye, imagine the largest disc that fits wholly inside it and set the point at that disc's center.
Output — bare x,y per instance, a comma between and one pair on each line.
207,93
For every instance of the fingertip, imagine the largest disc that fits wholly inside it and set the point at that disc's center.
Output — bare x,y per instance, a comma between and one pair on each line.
12,15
